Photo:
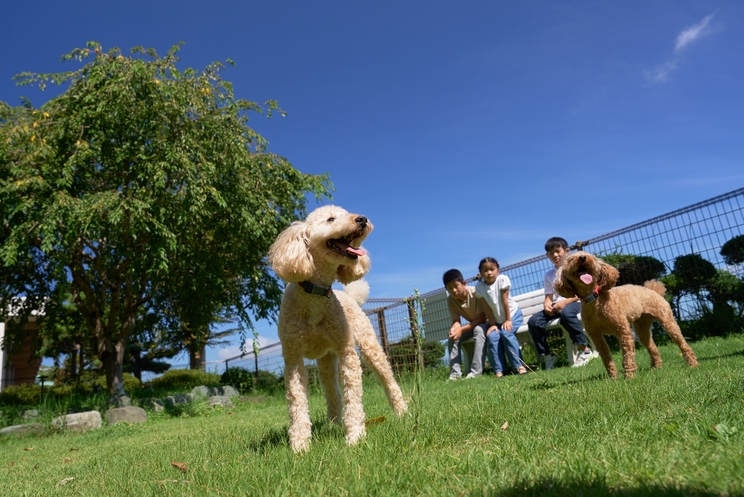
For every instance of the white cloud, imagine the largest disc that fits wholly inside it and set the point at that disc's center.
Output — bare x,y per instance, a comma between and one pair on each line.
693,33
688,35
234,351
661,73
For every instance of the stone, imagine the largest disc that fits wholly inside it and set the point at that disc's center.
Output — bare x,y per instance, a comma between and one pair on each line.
201,391
180,399
30,414
119,401
27,429
153,404
129,414
220,400
228,391
81,421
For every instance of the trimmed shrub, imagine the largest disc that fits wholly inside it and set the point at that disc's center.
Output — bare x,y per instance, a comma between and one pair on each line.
90,382
733,250
245,381
20,395
635,269
186,378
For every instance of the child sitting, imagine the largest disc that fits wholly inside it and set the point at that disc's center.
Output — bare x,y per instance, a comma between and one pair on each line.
503,314
461,302
555,306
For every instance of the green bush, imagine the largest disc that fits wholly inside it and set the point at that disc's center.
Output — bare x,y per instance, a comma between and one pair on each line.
403,354
20,395
635,269
186,378
89,382
245,381
733,250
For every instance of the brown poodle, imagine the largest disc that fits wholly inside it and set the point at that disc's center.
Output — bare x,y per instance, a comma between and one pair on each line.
610,311
316,322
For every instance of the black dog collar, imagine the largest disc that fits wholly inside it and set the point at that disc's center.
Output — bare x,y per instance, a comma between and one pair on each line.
591,297
312,289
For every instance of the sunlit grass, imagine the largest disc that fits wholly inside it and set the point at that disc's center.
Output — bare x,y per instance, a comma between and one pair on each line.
674,431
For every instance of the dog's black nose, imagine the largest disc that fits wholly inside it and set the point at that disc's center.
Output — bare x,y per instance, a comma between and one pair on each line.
582,258
361,220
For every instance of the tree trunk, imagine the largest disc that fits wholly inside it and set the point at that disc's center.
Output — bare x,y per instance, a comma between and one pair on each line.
73,361
198,358
113,364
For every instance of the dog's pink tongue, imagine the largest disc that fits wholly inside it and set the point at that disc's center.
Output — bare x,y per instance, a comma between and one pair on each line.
356,251
586,278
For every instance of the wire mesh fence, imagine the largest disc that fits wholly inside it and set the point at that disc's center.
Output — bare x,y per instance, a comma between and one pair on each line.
697,251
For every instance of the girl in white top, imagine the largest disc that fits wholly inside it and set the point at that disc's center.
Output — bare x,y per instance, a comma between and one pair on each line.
504,317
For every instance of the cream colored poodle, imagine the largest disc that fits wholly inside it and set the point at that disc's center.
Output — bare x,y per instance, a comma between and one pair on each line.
610,311
316,322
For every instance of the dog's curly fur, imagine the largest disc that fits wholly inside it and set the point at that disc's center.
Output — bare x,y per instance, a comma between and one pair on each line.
615,309
322,249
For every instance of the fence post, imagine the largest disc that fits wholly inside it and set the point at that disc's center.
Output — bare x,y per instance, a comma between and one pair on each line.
383,332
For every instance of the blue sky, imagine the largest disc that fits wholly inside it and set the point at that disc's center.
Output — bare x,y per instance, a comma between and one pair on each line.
461,129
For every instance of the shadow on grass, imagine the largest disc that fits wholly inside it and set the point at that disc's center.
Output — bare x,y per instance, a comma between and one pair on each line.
543,384
722,356
600,489
278,437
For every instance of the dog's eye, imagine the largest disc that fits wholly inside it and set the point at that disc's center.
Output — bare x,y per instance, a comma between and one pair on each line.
331,219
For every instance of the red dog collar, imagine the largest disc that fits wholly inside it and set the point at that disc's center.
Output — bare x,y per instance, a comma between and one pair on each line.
592,296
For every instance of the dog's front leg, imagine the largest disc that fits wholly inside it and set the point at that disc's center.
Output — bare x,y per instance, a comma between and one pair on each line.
627,346
295,380
328,372
351,378
604,352
376,358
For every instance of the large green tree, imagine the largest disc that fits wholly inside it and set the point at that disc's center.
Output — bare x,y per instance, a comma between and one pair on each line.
141,184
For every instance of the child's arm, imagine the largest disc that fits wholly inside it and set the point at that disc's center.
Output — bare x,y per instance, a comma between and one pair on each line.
559,305
456,331
548,304
491,319
479,319
507,325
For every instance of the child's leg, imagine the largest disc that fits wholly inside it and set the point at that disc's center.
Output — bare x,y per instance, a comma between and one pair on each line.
479,334
536,325
510,342
455,357
571,322
494,354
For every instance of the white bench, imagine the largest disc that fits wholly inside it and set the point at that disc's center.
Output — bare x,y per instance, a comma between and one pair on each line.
531,303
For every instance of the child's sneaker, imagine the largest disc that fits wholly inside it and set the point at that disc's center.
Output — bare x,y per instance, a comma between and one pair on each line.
470,376
550,361
583,358
454,377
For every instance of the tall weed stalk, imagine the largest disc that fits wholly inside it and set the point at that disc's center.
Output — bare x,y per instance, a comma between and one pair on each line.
416,307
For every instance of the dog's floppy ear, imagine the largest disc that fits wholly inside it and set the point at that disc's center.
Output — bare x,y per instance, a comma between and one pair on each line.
347,274
289,256
607,276
562,285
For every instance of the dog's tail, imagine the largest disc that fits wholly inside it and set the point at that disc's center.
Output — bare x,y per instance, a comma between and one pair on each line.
358,290
657,286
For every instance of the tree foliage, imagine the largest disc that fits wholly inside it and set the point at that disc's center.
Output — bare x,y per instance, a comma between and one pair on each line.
141,190
733,250
635,269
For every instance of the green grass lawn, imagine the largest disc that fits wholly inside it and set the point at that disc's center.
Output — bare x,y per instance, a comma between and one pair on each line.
674,431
